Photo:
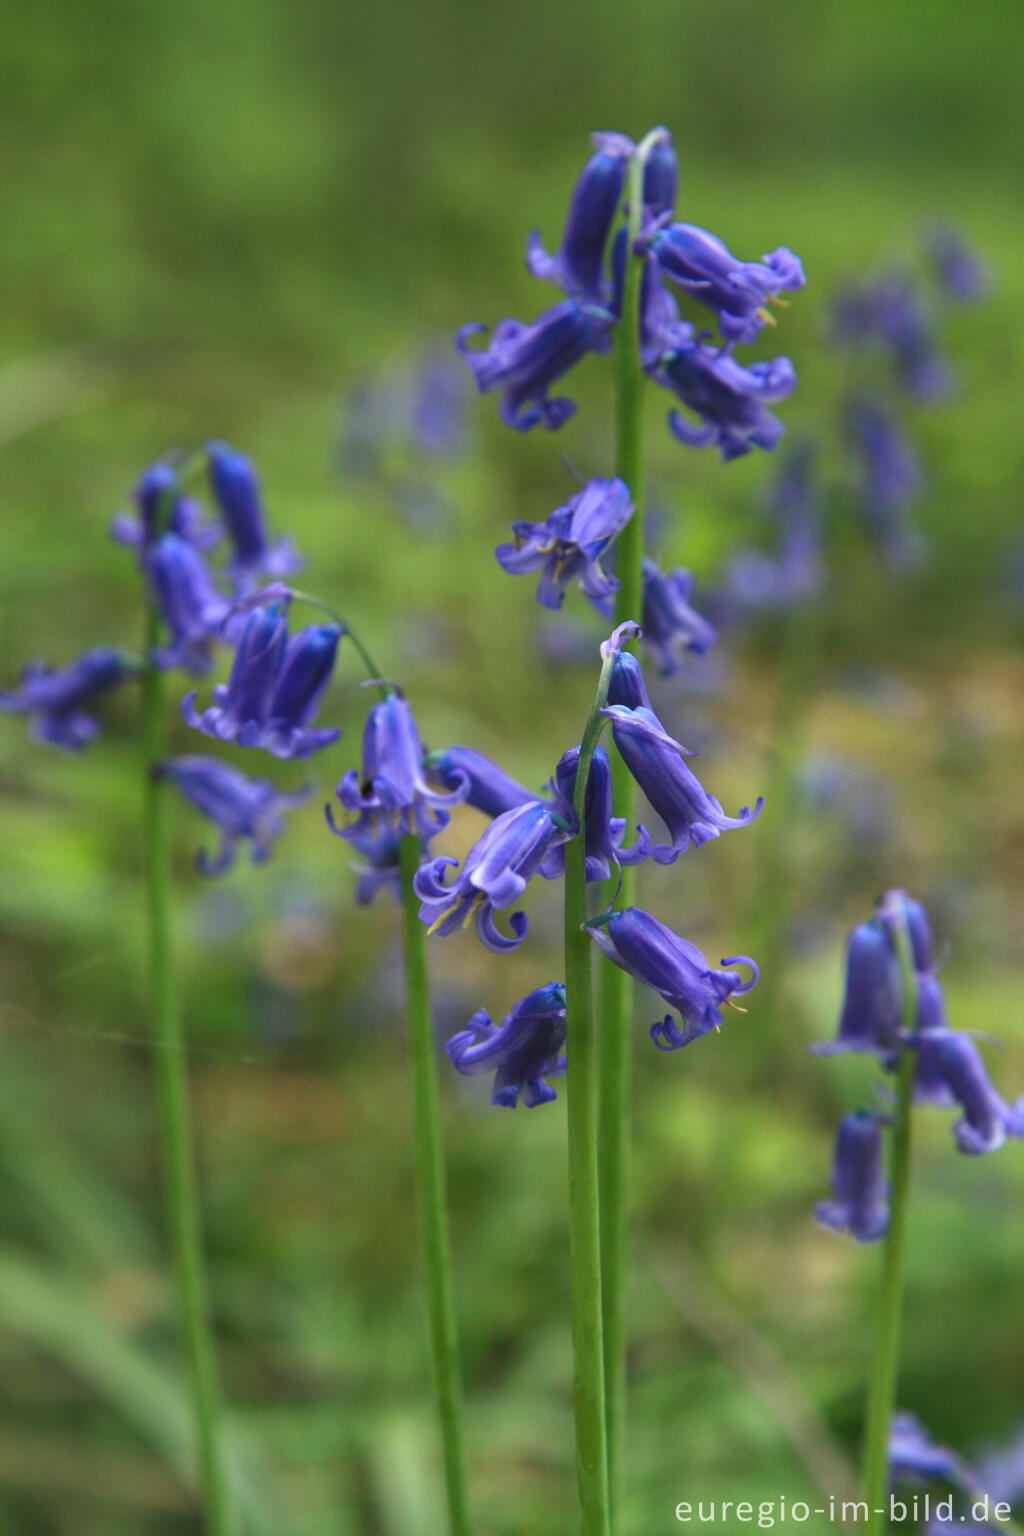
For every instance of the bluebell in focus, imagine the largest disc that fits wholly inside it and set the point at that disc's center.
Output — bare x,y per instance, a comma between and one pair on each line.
738,291
393,787
488,788
522,1051
730,401
524,361
603,830
568,546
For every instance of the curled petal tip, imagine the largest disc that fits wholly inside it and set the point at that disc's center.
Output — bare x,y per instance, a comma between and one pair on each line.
619,637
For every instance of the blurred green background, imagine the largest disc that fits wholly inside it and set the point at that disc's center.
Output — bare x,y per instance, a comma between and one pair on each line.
217,220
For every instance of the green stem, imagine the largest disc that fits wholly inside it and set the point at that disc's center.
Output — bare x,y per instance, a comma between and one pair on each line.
585,1255
180,1184
615,987
885,1367
430,1196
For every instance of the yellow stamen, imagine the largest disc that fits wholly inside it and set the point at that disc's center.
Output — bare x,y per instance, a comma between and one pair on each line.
734,1006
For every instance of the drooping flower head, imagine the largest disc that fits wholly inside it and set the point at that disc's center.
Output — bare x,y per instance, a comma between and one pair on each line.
568,546
987,1119
675,968
190,603
379,847
657,763
488,787
603,830
162,508
860,1194
393,787
671,624
731,401
59,702
275,687
578,267
703,266
523,361
496,872
236,488
872,1008
243,808
523,1050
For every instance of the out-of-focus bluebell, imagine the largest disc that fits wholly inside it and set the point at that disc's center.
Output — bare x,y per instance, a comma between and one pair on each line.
58,701
393,787
524,361
963,275
236,489
738,291
496,872
162,508
892,311
487,786
243,808
671,625
914,1456
730,401
379,847
890,477
673,967
275,687
523,1050
860,1195
578,267
437,412
1000,1471
191,604
859,798
987,1119
657,763
872,1008
568,546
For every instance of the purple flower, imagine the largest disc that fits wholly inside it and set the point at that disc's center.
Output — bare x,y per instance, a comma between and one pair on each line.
497,870
523,361
437,409
393,786
242,807
661,174
578,268
961,271
604,831
895,907
236,487
490,789
656,761
890,310
671,965
873,1000
275,688
569,545
670,624
380,848
891,477
987,1119
730,400
627,686
522,1050
860,1203
192,607
162,510
736,290
57,700
914,1457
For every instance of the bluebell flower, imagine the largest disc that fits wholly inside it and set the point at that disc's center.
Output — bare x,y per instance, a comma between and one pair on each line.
1000,1471
488,788
523,361
523,1050
661,174
578,268
603,830
914,1457
656,761
393,787
379,846
873,999
961,272
496,872
671,624
890,475
437,410
860,1203
59,701
243,808
192,607
730,400
275,688
161,508
987,1119
626,685
236,488
895,907
737,291
675,968
890,310
569,545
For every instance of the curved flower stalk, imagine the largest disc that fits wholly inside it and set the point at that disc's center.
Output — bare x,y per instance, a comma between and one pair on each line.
244,809
59,702
523,1051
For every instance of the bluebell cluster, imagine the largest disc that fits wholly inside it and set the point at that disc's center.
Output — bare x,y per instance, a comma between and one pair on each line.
949,1072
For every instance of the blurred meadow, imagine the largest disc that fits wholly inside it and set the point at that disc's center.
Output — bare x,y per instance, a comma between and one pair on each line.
254,223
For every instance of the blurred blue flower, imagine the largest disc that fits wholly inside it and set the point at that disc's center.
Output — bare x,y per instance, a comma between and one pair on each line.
891,310
675,968
987,1119
496,872
236,488
569,544
243,808
914,1457
656,761
192,606
162,509
437,408
523,1050
58,701
380,849
393,787
488,788
730,400
523,361
860,1203
737,291
671,624
890,476
578,268
962,273
873,999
